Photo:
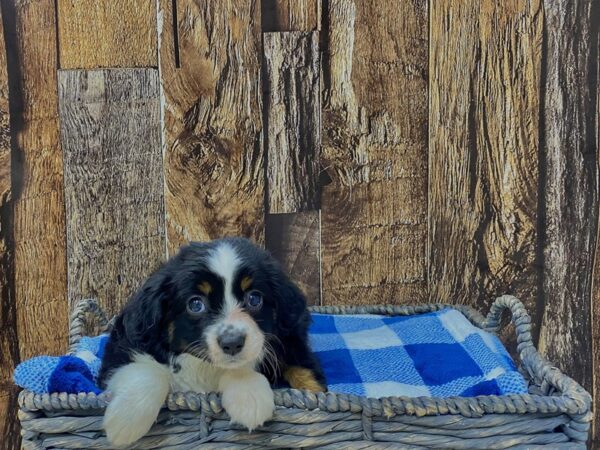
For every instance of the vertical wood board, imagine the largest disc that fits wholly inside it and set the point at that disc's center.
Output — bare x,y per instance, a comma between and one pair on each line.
9,345
37,173
570,184
114,33
485,63
214,157
374,208
292,120
113,181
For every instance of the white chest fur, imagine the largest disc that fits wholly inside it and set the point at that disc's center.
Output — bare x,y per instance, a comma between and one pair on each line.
189,373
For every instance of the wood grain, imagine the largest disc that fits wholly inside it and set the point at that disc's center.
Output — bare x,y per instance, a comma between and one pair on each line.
115,33
595,297
113,181
291,15
293,239
292,120
570,183
485,63
214,156
374,209
9,348
37,178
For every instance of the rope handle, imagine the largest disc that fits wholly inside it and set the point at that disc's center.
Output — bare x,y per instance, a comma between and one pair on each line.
81,320
538,367
519,317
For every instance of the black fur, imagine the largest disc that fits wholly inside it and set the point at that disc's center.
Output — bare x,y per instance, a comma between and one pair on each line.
143,325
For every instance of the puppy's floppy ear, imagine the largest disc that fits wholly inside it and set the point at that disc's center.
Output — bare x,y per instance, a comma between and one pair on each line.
142,317
290,307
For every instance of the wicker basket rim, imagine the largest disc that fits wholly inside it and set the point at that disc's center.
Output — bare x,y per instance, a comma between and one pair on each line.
569,396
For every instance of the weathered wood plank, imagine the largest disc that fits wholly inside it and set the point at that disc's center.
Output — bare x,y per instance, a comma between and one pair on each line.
9,425
291,15
214,163
293,120
570,183
374,210
115,33
38,202
293,239
595,298
9,347
110,133
483,191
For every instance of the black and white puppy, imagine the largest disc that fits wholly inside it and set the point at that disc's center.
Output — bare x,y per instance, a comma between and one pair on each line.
219,316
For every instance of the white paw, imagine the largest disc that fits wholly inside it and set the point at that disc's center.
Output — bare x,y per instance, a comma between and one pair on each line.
138,391
124,423
248,400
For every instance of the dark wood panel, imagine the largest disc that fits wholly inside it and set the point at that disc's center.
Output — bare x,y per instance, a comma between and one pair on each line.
569,167
293,239
485,63
214,156
115,33
110,132
9,346
292,120
374,208
291,15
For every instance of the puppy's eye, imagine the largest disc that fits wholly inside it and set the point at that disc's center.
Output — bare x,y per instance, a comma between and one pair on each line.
196,304
253,300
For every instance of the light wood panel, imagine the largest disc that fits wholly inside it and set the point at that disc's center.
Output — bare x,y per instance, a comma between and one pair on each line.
291,15
570,184
37,172
113,181
292,120
114,33
485,62
214,156
374,208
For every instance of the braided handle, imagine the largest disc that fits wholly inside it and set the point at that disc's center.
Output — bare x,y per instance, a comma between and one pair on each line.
86,313
538,367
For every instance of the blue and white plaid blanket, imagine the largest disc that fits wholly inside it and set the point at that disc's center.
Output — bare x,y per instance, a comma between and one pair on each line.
437,354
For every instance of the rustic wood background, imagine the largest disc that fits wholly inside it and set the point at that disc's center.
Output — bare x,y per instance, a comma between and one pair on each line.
384,150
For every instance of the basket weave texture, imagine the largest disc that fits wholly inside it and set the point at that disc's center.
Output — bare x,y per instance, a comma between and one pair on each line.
554,414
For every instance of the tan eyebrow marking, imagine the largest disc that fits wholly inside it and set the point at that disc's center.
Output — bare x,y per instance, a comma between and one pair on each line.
205,287
246,283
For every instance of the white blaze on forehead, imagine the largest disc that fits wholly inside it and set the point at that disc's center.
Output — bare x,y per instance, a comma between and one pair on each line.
225,262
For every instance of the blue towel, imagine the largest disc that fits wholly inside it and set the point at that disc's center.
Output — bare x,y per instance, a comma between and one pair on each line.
438,354
70,373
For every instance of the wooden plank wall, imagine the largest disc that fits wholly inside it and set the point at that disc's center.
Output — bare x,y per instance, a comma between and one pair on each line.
384,151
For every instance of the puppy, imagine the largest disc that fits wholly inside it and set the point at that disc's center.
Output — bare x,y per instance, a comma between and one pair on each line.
219,316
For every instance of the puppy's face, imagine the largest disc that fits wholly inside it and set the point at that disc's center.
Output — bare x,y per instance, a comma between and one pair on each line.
223,302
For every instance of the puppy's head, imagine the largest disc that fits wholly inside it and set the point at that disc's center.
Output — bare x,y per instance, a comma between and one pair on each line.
220,301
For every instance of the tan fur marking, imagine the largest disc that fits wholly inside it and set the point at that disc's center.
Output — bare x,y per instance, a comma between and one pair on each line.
205,287
302,378
246,283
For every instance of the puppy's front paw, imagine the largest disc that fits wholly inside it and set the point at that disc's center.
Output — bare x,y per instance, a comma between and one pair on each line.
125,423
248,399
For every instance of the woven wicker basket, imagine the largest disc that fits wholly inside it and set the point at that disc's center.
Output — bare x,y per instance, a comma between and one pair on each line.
555,414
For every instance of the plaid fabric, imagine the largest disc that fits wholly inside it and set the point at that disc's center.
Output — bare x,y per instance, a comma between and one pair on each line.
438,354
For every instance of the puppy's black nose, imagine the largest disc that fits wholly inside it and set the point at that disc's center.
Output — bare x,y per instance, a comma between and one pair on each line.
231,343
